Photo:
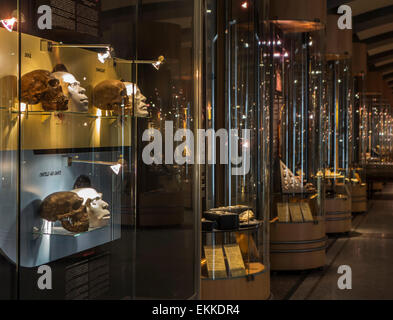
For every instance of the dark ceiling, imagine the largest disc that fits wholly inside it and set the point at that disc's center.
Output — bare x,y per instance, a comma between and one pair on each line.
373,25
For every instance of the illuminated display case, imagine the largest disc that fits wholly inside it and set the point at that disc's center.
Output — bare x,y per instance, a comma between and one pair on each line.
297,233
77,101
339,138
339,128
359,128
235,259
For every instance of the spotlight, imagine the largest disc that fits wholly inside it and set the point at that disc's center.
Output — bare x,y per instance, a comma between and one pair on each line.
116,168
157,64
102,57
245,5
9,23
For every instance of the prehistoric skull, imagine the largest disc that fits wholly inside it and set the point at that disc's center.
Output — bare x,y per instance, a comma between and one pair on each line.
68,208
135,95
72,89
40,86
110,95
97,208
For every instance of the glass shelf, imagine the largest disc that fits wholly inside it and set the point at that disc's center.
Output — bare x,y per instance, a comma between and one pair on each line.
52,229
71,113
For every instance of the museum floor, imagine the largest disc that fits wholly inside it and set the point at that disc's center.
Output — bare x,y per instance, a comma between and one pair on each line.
368,250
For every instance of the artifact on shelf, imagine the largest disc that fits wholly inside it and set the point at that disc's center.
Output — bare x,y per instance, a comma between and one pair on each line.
66,207
246,216
111,95
291,183
40,86
78,101
96,207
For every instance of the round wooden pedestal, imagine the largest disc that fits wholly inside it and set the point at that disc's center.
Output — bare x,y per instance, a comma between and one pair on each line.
298,246
254,287
359,198
338,215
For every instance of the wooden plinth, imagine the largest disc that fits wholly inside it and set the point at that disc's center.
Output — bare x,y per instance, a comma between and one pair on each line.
359,198
377,186
338,215
298,246
255,287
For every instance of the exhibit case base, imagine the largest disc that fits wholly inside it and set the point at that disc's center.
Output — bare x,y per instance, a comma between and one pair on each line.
256,286
338,214
359,198
298,246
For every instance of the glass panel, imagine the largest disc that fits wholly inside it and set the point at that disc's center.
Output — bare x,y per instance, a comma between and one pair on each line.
108,224
298,117
236,197
339,129
9,127
167,232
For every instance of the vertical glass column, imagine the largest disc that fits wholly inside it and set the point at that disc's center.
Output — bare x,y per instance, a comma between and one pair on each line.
236,195
9,127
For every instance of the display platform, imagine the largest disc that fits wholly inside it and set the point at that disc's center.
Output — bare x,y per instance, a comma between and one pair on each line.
298,246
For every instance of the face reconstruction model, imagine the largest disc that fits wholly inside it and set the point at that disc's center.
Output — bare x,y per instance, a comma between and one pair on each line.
72,89
135,95
97,208
40,86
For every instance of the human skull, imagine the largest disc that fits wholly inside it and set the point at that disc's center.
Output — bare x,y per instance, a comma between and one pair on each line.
40,86
135,95
68,208
73,90
110,95
96,207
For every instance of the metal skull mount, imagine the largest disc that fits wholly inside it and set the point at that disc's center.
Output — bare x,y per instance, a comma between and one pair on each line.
68,208
40,86
110,95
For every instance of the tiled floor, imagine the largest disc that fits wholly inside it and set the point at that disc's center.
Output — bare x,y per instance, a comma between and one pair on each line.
368,251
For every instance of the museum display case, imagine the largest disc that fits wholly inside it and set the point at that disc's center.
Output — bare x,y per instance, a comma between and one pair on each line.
358,185
297,55
378,166
235,218
339,128
82,100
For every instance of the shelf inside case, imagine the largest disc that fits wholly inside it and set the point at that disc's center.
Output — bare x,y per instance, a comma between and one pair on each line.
56,229
70,113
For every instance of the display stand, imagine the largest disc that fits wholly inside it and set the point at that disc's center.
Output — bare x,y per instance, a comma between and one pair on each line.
297,246
231,266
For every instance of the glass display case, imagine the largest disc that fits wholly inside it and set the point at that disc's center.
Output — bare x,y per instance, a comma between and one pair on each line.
339,146
235,259
358,185
82,100
296,52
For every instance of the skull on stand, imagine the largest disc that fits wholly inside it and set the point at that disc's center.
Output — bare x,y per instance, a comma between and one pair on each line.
111,95
40,86
68,208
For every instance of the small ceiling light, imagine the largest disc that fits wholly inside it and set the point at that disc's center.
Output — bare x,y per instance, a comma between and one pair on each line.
157,64
9,23
245,5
